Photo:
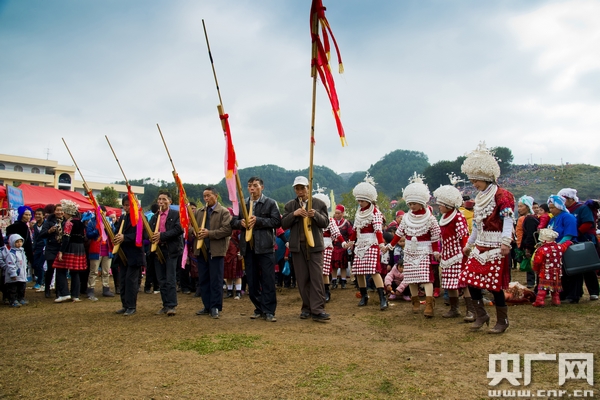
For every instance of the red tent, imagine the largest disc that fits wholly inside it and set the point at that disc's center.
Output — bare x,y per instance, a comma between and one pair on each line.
39,196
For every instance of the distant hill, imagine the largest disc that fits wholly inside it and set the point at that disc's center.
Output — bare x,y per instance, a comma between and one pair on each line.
391,174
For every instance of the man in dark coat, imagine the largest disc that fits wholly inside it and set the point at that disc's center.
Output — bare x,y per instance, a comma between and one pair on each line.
130,272
169,239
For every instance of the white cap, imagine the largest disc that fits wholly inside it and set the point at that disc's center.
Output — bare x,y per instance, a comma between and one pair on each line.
300,180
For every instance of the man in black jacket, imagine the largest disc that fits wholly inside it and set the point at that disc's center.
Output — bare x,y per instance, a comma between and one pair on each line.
130,272
170,242
259,253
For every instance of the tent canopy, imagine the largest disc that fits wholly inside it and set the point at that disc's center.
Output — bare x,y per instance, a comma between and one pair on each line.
38,196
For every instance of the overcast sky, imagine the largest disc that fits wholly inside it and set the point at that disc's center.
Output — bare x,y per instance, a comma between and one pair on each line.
430,76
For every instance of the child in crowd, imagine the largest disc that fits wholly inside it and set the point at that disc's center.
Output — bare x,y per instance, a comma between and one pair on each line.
15,273
3,259
547,263
394,283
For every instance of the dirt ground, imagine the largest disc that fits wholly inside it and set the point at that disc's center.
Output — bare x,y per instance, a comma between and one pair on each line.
85,351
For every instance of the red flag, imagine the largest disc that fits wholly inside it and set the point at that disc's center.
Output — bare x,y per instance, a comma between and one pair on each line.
230,164
135,214
184,216
321,60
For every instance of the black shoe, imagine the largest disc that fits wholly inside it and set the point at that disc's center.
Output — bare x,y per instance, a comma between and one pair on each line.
304,315
47,295
121,311
214,313
334,283
364,299
171,312
343,284
197,294
229,294
162,311
130,311
327,296
186,291
148,291
204,311
257,315
321,317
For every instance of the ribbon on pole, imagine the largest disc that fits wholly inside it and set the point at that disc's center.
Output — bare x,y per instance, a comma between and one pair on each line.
320,60
230,164
135,216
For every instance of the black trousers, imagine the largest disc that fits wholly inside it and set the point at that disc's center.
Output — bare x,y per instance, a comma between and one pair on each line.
591,282
15,291
260,274
210,279
151,279
129,278
167,278
62,285
572,287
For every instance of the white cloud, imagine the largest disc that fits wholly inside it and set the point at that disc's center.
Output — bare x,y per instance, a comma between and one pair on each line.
565,37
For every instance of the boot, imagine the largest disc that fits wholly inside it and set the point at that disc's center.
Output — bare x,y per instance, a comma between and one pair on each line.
106,292
343,284
453,311
540,300
327,294
364,300
90,294
555,298
481,315
429,304
470,315
416,303
501,320
383,304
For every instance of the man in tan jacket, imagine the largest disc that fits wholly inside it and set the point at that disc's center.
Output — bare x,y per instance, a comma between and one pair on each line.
216,233
308,261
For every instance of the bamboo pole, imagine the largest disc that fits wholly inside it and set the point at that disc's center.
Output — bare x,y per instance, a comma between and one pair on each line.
93,201
221,111
149,232
193,221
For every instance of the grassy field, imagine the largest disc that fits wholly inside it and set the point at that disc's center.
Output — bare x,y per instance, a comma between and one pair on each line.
85,351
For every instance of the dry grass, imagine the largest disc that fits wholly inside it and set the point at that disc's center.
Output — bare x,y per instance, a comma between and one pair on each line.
85,351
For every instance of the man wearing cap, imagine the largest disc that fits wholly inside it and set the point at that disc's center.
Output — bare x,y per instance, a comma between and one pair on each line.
586,232
259,252
308,261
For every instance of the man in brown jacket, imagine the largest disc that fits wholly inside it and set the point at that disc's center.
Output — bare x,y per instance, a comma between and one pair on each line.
216,233
308,261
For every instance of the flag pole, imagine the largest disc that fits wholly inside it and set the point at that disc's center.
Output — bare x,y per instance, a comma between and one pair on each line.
200,242
96,206
223,118
307,221
144,219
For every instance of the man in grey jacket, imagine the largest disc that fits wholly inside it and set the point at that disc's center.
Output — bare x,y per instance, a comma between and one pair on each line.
259,252
216,233
308,261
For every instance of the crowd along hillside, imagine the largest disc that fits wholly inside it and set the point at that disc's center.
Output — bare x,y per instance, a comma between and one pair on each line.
392,172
